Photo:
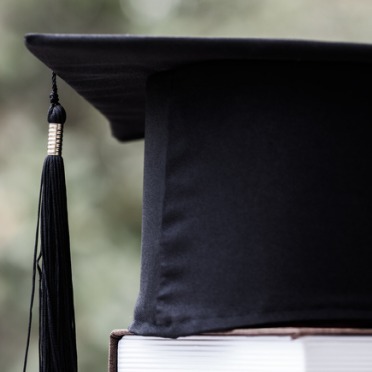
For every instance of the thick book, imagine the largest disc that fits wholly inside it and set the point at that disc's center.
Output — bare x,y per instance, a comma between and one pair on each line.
256,350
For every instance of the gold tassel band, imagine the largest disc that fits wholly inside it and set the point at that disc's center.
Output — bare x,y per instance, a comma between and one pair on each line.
55,137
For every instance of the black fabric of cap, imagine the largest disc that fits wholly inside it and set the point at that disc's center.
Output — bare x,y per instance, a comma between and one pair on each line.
111,71
257,198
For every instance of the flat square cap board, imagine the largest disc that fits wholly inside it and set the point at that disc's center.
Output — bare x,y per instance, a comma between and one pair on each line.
111,71
257,206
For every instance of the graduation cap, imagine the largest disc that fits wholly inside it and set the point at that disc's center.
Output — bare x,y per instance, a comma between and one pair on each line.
257,205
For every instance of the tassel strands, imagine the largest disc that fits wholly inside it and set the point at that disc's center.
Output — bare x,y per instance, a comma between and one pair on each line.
57,321
57,338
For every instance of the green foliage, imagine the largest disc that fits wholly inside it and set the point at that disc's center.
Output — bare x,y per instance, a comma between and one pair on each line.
104,177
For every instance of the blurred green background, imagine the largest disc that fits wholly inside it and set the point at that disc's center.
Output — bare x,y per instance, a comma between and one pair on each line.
104,177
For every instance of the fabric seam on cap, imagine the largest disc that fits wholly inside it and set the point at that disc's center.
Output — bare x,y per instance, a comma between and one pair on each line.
162,255
266,318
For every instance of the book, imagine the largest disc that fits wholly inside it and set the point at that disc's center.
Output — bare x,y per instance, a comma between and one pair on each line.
277,350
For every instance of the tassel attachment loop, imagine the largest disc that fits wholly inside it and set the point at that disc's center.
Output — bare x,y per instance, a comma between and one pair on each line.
55,139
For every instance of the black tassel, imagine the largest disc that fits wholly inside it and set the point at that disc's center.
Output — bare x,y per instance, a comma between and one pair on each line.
57,338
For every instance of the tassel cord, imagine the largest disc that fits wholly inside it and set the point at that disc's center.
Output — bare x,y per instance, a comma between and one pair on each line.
34,270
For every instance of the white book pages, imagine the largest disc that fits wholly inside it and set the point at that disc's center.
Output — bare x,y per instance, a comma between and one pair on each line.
246,353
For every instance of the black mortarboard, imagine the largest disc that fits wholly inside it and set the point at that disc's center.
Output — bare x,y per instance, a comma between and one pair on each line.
257,196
